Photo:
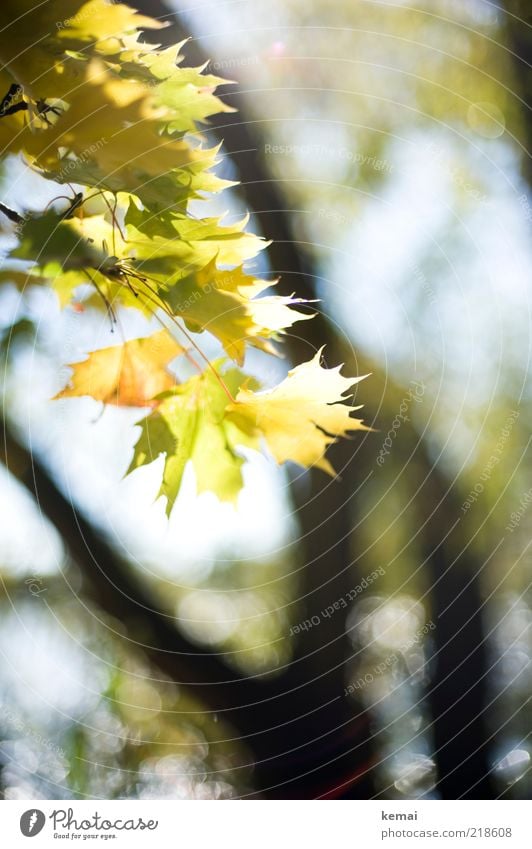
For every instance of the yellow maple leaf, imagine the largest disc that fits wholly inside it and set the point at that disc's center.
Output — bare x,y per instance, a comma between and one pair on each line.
301,416
127,375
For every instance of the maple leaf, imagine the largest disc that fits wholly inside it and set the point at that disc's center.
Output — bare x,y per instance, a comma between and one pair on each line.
48,238
96,107
110,137
189,425
301,416
224,303
127,375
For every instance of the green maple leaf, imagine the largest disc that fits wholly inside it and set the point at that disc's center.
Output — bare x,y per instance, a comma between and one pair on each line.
48,238
302,416
97,107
